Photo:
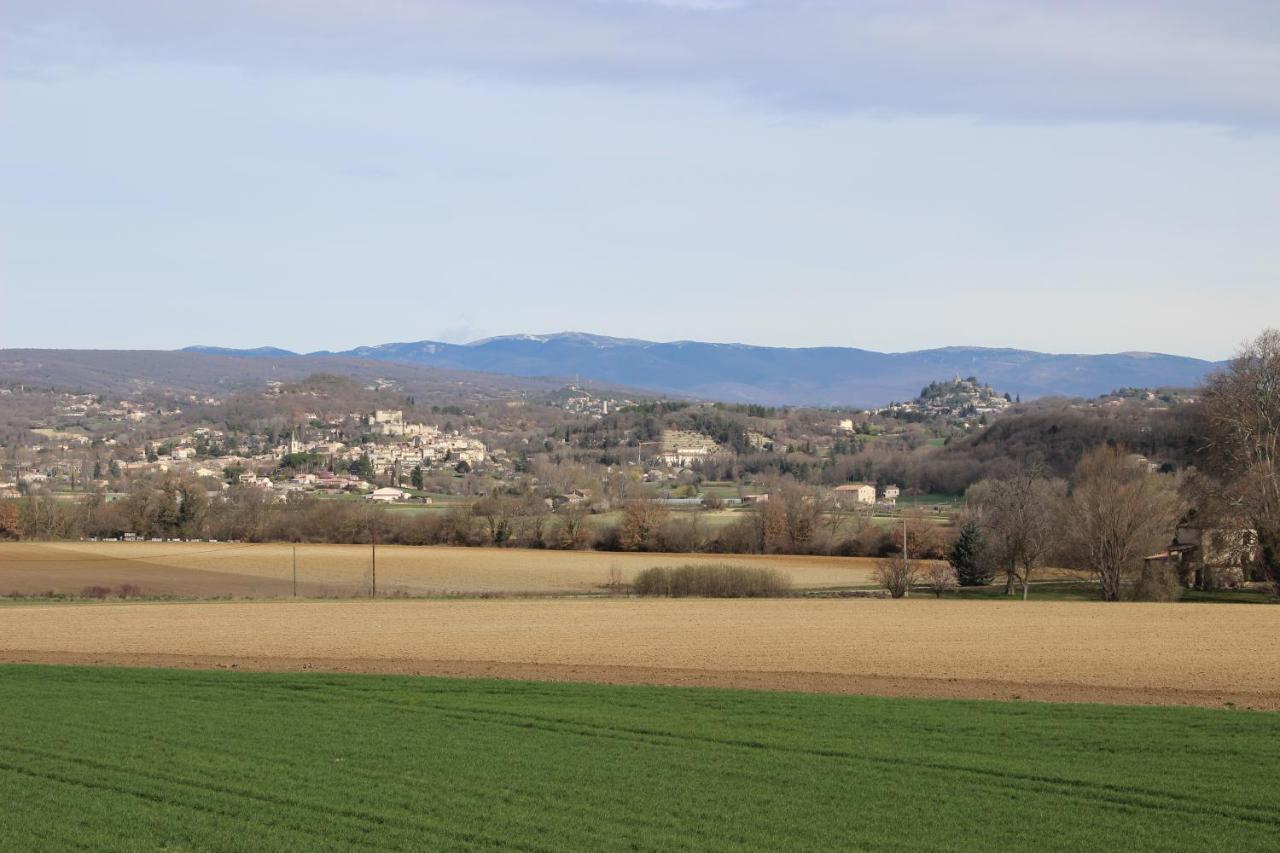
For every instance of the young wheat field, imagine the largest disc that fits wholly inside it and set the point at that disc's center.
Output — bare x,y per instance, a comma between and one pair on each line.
162,760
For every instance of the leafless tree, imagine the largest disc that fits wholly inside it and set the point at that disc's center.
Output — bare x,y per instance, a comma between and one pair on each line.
497,512
790,518
1020,518
939,578
1118,512
923,536
1242,425
896,574
641,521
10,520
574,530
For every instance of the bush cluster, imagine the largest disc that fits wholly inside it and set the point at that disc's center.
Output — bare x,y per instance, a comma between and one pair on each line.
711,581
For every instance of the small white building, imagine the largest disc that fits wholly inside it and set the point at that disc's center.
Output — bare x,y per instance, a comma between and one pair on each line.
387,494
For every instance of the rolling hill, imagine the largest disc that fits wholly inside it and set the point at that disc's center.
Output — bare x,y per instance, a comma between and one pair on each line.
197,372
836,376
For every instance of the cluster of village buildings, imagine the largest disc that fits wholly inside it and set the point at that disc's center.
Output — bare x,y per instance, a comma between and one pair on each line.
963,402
393,450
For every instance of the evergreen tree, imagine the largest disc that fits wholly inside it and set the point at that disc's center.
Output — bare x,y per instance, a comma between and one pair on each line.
362,467
969,557
416,477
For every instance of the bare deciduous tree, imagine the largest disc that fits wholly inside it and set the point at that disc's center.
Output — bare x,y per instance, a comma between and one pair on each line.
574,529
1118,512
939,578
1020,520
641,521
896,574
1242,425
788,520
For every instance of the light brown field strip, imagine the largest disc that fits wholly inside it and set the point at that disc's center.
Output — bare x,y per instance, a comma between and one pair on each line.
1129,653
206,570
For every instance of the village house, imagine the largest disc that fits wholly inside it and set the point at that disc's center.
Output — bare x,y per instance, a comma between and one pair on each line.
1213,558
862,493
681,448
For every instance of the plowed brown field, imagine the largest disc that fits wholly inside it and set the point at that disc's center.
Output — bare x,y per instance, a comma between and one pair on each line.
206,570
1126,653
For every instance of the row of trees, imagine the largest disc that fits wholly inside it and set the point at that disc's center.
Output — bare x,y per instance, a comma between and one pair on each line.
797,520
1107,517
1113,511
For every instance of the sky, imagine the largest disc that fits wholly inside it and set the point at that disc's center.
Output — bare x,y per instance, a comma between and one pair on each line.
891,175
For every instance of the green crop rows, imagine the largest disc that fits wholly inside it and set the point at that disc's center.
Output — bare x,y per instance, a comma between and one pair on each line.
124,759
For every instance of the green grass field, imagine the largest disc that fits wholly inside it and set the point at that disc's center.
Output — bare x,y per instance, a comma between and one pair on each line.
117,759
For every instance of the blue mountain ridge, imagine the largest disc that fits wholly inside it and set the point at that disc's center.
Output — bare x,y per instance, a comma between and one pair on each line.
813,376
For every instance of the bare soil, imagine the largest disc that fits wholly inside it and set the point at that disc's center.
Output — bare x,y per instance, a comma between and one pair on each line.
1184,654
219,570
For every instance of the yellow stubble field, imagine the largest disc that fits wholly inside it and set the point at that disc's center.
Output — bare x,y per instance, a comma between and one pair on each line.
209,570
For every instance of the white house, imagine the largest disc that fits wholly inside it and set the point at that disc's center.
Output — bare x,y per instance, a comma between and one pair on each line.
863,493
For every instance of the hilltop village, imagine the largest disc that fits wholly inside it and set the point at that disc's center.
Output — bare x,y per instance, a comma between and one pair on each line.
329,436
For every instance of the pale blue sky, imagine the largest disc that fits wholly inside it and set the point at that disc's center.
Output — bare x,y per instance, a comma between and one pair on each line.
885,175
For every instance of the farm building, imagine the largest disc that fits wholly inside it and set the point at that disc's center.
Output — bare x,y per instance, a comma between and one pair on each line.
1213,558
387,494
681,448
863,493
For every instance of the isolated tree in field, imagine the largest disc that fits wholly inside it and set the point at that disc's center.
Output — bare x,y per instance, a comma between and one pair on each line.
1020,519
1242,427
641,521
896,574
1118,512
939,578
415,477
969,557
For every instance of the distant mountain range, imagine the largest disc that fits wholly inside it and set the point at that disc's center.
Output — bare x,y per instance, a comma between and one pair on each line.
128,372
816,376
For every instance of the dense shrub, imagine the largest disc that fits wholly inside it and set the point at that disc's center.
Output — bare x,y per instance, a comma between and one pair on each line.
712,581
1156,583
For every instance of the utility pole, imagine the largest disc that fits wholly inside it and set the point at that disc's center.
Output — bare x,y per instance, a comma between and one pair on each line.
373,540
905,565
295,571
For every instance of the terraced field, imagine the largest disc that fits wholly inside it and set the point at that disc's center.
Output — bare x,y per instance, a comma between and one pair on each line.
208,570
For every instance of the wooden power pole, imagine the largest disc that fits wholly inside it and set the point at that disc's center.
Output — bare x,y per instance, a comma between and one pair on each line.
905,565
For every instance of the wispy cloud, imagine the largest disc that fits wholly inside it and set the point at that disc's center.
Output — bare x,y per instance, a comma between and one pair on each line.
1141,60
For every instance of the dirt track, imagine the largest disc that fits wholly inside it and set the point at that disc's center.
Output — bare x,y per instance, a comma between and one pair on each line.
207,570
1209,655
